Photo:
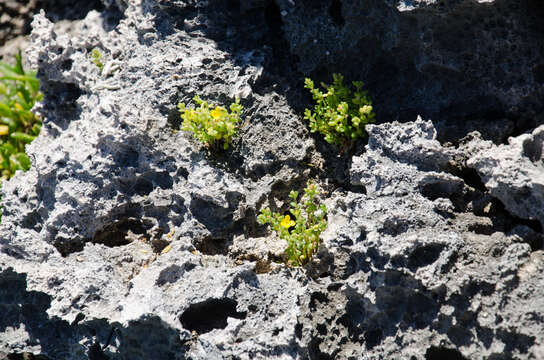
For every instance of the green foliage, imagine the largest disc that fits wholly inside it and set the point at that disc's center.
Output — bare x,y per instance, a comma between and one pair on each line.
213,126
96,57
338,114
19,91
301,233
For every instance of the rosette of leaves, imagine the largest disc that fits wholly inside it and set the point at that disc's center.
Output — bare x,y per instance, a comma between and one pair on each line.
210,124
339,114
19,91
303,230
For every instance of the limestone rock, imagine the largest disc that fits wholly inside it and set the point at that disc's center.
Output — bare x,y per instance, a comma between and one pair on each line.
128,239
514,173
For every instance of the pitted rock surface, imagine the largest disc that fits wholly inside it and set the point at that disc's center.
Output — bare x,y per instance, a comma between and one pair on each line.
127,239
441,59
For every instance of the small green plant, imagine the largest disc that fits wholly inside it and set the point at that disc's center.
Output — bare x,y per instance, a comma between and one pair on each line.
96,58
209,123
338,114
19,91
302,232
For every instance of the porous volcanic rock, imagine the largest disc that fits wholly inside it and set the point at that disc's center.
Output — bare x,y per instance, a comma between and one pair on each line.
514,173
128,239
16,15
416,279
456,59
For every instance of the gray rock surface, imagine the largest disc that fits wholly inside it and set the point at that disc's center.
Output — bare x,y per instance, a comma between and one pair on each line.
408,267
441,59
514,173
130,240
16,15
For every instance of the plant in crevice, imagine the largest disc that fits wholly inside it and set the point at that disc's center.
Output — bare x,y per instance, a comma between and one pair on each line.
303,230
338,114
211,124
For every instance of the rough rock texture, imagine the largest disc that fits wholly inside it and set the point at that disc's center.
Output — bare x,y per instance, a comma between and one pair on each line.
514,174
129,240
441,59
16,16
407,267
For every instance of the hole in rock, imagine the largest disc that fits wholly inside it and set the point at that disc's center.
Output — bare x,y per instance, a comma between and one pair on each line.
144,184
183,173
433,189
471,178
118,233
424,255
362,235
96,353
360,189
126,157
481,228
315,351
298,330
321,329
439,353
510,220
143,187
211,314
67,246
335,12
31,219
60,102
395,226
317,297
213,246
373,338
214,217
173,118
532,148
66,64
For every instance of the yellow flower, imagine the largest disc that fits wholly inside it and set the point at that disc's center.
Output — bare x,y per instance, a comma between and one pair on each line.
287,222
4,129
217,113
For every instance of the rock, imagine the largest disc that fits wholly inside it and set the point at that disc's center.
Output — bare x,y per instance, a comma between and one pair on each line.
441,59
129,239
101,209
404,270
16,15
514,173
